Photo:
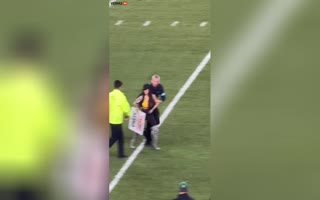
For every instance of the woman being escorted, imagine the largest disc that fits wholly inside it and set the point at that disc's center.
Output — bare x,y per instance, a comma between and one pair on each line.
147,103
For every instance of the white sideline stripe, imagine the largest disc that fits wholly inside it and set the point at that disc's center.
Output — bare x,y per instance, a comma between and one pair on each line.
118,22
147,23
203,23
238,63
184,88
175,23
165,114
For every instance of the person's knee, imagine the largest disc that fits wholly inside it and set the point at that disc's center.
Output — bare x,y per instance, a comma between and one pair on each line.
155,129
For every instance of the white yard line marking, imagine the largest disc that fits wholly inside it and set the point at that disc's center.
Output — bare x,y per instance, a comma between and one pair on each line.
175,23
147,23
185,87
165,114
119,22
237,64
203,23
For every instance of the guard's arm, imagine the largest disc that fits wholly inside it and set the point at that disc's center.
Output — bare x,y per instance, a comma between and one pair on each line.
162,93
157,102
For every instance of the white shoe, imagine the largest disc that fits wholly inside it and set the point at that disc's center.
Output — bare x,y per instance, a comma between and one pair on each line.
132,144
156,147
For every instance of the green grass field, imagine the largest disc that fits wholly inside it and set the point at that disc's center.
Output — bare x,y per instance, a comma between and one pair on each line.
75,33
267,144
173,52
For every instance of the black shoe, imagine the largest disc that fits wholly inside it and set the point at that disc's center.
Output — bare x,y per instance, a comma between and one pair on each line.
123,156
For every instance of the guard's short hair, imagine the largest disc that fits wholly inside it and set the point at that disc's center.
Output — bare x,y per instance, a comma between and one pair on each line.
117,84
156,76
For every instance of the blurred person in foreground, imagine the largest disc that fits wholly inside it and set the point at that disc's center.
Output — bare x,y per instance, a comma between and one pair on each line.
31,120
183,192
158,90
83,175
119,109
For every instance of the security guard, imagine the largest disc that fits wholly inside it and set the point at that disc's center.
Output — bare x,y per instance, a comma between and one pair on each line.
118,109
183,192
157,89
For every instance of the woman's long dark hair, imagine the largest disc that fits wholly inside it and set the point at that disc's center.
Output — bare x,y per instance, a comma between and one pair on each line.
151,101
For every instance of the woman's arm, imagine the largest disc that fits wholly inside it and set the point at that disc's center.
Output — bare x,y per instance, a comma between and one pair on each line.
136,102
157,102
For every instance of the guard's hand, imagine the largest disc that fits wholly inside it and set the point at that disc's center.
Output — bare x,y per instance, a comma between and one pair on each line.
150,111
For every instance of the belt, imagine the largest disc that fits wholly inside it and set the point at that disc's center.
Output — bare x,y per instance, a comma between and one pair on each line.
145,110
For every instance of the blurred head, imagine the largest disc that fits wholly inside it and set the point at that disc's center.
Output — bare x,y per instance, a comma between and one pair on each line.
117,84
27,44
155,80
146,88
183,187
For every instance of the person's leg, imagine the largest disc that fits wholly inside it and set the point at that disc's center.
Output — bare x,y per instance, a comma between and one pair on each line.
154,131
120,142
133,140
22,193
6,194
25,194
156,114
147,134
114,137
155,136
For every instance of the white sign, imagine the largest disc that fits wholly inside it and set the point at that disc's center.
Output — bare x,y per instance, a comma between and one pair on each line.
137,121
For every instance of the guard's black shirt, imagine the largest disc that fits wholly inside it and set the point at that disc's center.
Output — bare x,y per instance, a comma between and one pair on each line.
158,91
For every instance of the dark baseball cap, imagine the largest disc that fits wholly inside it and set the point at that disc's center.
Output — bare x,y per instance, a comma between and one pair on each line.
146,86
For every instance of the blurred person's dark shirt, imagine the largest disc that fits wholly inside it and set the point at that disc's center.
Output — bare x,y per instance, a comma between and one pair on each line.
184,196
